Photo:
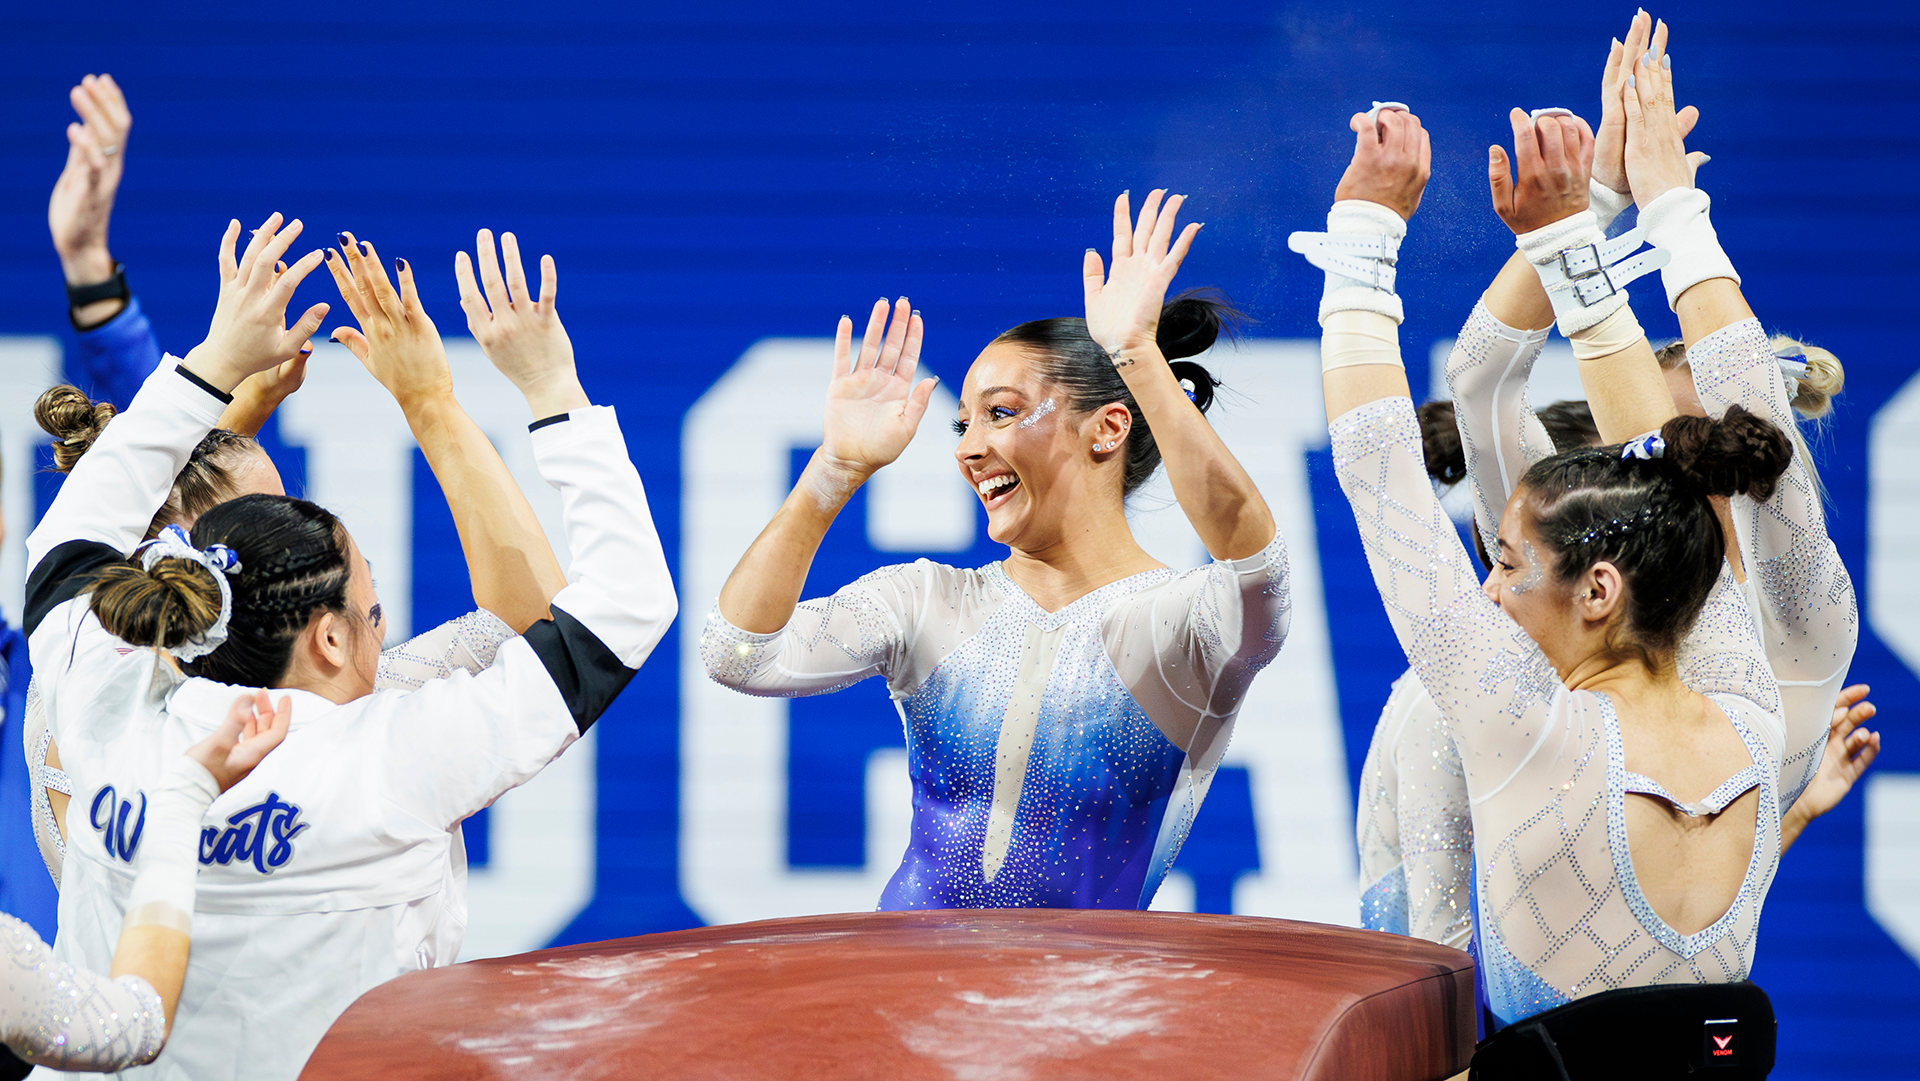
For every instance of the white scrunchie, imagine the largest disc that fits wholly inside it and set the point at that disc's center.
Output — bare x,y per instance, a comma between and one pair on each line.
220,561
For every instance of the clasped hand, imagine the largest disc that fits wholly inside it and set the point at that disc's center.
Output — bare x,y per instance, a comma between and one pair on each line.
1392,161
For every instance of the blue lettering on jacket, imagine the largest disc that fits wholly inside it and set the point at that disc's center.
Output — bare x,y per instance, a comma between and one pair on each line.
119,842
249,832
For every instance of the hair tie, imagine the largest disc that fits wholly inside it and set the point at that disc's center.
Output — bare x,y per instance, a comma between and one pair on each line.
1645,448
1793,367
1193,395
220,560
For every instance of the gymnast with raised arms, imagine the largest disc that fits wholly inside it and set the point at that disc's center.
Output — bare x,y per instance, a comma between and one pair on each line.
1066,707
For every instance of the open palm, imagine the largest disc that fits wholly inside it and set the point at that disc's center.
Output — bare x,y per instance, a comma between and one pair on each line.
1123,303
873,403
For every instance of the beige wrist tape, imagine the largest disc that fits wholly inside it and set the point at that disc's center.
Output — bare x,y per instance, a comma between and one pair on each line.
1353,337
1607,337
157,914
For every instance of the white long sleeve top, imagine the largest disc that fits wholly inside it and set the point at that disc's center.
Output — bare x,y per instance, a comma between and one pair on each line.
325,872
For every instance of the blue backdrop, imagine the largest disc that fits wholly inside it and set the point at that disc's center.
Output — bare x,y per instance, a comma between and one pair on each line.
709,178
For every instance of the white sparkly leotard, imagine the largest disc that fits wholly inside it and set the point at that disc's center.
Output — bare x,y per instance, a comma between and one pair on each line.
65,1018
1561,911
1057,758
1487,374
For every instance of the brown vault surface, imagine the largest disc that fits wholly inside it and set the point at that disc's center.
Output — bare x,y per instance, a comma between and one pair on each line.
972,995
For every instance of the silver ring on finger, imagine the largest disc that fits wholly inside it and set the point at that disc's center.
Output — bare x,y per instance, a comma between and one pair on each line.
109,151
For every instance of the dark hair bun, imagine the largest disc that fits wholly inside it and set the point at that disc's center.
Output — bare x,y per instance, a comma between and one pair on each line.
1195,380
73,420
1737,454
1440,442
1191,322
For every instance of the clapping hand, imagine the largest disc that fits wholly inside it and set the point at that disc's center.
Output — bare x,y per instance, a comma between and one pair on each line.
396,342
1123,305
1655,152
1392,160
873,403
253,727
249,332
520,333
82,200
1610,142
1547,178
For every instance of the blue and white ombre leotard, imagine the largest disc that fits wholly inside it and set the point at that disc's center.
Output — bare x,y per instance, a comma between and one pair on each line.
1057,758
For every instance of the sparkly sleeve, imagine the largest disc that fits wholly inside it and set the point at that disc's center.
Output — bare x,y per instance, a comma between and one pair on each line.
65,1018
1806,596
1416,829
467,644
1482,670
1487,377
828,643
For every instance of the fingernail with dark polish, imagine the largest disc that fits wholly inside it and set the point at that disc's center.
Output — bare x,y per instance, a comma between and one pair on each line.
399,266
367,247
342,238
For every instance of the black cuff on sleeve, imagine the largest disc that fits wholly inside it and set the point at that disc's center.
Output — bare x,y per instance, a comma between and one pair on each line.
544,422
62,574
225,398
586,672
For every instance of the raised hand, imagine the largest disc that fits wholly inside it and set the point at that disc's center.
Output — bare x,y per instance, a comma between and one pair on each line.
1392,160
1655,151
249,332
520,333
1123,305
1547,177
1850,750
873,404
396,341
254,726
1610,142
82,200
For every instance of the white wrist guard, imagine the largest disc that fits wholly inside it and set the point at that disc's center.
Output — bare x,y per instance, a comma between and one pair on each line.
1678,224
1607,205
1358,251
170,850
1584,272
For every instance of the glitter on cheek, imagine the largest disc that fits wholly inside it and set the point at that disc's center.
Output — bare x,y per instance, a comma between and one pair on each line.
1535,571
1039,411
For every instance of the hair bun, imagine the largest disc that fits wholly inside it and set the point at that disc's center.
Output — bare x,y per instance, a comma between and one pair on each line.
73,420
1192,321
1440,442
1196,380
1737,454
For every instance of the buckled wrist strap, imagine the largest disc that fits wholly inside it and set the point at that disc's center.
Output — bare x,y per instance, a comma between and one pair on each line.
1368,260
1586,282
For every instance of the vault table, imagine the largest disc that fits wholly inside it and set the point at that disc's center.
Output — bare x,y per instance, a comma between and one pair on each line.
968,995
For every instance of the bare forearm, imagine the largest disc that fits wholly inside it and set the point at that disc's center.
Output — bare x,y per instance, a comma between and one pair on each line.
1627,392
1792,825
1215,492
764,587
157,955
514,572
1709,307
1516,297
